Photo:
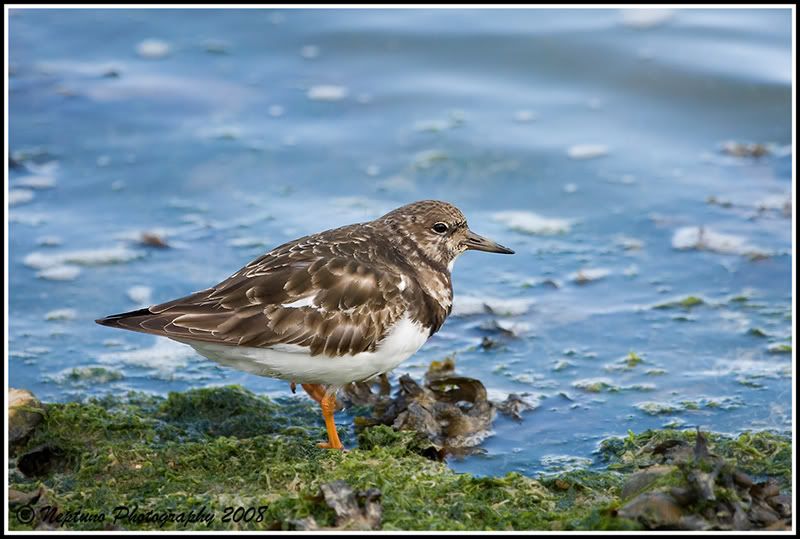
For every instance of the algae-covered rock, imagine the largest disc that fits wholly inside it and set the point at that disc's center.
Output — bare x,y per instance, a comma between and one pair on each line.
755,453
224,458
745,149
645,478
452,411
654,510
354,510
698,490
190,460
25,412
686,303
514,405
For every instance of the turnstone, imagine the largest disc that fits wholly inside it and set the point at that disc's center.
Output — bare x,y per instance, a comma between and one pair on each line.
344,305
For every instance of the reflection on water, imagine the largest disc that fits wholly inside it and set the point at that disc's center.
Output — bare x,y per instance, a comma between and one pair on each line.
639,163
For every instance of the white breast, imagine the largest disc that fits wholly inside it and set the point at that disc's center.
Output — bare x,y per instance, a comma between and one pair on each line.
295,364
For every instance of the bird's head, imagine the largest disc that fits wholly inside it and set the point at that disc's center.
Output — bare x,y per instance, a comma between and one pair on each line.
438,230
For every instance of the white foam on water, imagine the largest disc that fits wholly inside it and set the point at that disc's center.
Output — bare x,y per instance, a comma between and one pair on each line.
162,360
516,329
705,238
61,314
631,271
29,353
25,218
628,243
59,273
49,241
529,222
141,295
565,463
153,49
87,257
428,158
248,241
585,275
587,151
327,92
642,19
19,196
35,182
747,365
776,202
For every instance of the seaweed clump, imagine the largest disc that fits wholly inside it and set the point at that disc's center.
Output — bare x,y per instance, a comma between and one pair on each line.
224,458
679,485
452,412
192,459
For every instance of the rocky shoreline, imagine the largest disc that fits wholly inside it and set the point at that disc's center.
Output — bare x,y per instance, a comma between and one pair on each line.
226,459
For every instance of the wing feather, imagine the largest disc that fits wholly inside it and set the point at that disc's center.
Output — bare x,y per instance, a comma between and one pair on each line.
354,301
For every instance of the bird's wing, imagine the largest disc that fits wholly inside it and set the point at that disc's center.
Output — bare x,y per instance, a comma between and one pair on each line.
315,296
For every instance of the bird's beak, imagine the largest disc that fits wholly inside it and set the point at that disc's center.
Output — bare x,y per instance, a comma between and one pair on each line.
479,243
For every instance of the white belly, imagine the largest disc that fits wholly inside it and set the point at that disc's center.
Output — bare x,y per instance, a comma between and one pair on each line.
293,363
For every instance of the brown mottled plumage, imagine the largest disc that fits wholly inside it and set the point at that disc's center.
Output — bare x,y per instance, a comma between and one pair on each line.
352,273
337,293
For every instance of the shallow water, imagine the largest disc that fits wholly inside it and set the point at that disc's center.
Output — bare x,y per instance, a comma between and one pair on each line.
229,132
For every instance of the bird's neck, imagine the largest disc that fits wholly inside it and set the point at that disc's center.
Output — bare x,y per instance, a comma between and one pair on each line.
434,275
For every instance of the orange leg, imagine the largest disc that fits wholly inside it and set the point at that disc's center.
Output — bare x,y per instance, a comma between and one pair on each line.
328,405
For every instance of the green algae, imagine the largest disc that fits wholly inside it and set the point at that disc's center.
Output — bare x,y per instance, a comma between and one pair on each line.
761,454
562,365
659,408
632,359
93,375
596,385
210,449
686,303
779,348
749,381
625,363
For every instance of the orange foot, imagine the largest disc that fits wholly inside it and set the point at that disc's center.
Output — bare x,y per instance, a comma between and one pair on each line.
328,404
327,445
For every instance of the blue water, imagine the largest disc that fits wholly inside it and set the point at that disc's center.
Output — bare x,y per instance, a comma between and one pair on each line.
217,140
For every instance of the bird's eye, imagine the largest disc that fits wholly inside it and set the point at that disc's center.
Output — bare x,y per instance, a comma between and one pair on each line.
440,228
